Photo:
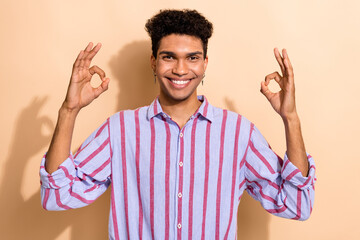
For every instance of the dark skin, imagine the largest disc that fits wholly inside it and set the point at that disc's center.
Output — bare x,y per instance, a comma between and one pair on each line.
179,67
283,102
80,93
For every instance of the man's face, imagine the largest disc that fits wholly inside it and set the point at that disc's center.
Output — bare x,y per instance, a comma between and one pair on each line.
179,66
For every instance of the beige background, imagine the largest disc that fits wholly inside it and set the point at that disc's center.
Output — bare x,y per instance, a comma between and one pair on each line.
40,40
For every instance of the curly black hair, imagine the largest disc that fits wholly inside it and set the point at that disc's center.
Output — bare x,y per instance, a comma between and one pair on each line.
183,22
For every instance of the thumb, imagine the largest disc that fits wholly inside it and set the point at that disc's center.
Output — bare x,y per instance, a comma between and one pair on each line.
265,90
102,88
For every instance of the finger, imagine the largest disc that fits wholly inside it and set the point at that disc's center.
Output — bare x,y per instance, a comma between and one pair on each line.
280,60
95,69
93,52
88,47
288,66
266,91
102,88
276,76
86,53
77,61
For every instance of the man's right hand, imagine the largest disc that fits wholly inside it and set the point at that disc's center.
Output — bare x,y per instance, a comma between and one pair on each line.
80,92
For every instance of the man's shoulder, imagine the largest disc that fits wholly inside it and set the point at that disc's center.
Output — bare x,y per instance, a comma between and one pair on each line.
231,116
139,112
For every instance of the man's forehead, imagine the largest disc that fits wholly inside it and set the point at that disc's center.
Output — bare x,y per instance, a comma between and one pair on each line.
177,43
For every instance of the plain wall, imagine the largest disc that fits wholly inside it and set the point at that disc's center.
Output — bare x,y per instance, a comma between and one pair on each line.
40,40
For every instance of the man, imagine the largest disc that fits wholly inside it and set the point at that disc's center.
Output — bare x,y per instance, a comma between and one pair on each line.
178,167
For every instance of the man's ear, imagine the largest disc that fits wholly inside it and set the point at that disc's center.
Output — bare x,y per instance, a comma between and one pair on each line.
153,63
206,62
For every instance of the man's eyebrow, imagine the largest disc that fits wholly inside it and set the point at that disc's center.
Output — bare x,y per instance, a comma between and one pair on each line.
173,54
195,53
167,53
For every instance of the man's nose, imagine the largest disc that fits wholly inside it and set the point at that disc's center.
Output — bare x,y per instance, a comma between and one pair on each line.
180,68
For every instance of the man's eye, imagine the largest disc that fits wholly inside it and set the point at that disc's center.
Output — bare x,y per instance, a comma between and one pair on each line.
167,57
193,58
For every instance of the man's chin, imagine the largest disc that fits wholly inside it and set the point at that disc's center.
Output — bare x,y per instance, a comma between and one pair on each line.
177,98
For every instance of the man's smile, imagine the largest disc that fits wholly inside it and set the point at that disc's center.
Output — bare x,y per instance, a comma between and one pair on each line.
179,82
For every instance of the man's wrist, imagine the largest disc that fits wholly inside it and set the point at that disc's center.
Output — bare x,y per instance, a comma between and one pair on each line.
292,120
68,111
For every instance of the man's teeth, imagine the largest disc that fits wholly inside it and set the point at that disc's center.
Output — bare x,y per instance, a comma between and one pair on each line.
180,82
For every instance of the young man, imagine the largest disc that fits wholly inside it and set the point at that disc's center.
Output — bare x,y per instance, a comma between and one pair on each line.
178,167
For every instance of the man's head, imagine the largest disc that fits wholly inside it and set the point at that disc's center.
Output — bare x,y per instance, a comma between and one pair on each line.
182,22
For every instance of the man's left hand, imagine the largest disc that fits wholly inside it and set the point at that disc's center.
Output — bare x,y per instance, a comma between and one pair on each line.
283,101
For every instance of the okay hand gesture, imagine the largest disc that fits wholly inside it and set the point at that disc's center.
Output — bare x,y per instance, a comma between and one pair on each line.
80,92
283,101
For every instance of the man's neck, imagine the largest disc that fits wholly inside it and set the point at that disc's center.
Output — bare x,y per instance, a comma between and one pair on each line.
180,111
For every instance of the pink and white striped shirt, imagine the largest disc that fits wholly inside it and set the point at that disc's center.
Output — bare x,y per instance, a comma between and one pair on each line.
172,183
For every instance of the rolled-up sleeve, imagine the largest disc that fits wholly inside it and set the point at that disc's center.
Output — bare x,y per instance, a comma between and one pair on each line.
277,183
82,177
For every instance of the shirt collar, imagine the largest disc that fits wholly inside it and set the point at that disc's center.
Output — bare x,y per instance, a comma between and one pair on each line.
205,109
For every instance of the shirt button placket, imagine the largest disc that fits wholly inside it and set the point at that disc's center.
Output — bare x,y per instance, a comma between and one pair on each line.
179,195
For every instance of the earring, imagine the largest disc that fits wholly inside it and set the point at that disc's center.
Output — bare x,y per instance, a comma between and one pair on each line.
154,78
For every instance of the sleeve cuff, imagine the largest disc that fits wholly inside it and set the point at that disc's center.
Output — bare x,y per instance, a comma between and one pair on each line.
292,174
63,176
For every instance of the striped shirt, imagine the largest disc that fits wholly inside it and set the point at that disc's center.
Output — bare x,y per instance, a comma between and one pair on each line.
172,183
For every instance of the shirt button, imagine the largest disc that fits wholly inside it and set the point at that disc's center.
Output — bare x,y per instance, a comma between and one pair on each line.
179,225
181,134
179,195
180,164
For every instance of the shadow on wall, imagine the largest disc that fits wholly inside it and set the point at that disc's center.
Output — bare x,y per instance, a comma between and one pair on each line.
132,71
25,219
252,219
22,219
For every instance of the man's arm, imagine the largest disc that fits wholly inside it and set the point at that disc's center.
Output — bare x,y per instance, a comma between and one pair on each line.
283,103
80,93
